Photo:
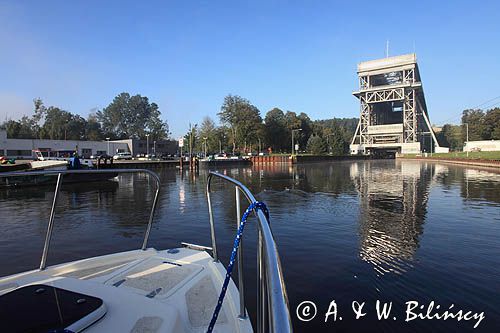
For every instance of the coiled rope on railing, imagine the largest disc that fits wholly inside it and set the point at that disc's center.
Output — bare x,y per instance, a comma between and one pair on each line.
254,206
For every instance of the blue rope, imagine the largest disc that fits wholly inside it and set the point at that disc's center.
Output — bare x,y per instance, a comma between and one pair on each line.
254,206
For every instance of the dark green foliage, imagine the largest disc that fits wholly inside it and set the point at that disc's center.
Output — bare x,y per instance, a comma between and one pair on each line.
482,126
275,130
451,136
22,129
316,145
242,118
125,117
477,128
492,124
132,117
336,133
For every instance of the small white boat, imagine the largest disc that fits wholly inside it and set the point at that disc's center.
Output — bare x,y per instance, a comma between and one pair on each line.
48,165
54,159
147,290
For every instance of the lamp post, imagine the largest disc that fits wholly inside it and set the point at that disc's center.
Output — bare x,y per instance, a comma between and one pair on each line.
467,137
293,141
154,147
147,145
205,145
220,143
107,139
259,145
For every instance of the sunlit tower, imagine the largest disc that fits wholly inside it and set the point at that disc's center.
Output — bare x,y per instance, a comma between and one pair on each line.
393,117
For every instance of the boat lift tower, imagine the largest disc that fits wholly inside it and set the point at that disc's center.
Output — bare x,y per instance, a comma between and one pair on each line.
393,117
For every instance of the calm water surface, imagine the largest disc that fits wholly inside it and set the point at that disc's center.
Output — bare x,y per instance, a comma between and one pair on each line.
352,231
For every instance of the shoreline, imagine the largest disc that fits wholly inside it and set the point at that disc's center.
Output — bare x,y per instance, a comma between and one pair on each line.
461,161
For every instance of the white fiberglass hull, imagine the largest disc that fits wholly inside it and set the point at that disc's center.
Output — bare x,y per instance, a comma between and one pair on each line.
145,291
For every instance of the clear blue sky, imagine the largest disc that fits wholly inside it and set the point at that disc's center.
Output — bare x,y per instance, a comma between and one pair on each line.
187,55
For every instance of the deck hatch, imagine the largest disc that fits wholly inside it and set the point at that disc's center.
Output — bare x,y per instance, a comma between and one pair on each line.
42,308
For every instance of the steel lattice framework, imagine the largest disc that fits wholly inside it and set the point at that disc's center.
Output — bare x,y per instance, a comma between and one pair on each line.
390,93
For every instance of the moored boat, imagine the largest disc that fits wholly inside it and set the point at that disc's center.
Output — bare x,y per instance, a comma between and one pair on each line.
28,177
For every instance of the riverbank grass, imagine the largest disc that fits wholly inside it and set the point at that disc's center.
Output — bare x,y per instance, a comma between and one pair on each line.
473,155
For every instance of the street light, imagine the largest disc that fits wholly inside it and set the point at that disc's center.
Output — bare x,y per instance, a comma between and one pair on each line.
154,147
293,141
220,143
147,145
205,138
107,139
467,137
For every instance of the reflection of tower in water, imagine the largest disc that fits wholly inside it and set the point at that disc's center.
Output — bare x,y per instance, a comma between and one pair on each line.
393,201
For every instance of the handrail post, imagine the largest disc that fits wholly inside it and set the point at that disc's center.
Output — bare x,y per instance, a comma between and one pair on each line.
151,216
50,226
273,313
260,281
211,216
240,257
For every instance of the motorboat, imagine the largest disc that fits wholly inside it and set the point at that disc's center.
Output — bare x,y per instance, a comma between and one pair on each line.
183,289
29,178
60,156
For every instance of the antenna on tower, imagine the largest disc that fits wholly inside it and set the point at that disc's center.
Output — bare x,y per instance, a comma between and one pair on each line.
387,49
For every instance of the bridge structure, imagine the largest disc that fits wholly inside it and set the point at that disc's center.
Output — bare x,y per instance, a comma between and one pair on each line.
393,112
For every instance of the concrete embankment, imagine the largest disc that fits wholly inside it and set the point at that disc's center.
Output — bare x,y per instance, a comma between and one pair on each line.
462,161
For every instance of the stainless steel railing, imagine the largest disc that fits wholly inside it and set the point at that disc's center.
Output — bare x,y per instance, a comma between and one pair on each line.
272,301
60,175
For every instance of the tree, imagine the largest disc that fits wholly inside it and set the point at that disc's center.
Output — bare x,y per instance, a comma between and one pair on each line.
222,135
22,129
337,143
93,129
292,122
56,125
451,136
307,129
242,118
492,124
316,145
191,139
475,121
275,130
133,117
208,135
76,128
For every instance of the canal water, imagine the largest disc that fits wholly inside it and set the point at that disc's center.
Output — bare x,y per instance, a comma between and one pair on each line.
366,231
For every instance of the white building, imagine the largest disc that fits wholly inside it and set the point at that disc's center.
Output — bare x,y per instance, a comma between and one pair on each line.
485,145
23,148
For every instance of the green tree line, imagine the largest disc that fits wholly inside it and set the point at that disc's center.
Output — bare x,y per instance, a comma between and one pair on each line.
480,125
243,129
125,117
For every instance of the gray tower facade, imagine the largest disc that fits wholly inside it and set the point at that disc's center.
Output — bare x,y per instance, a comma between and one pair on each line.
393,113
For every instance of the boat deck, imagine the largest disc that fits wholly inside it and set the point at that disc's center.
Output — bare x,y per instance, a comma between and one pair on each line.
173,290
